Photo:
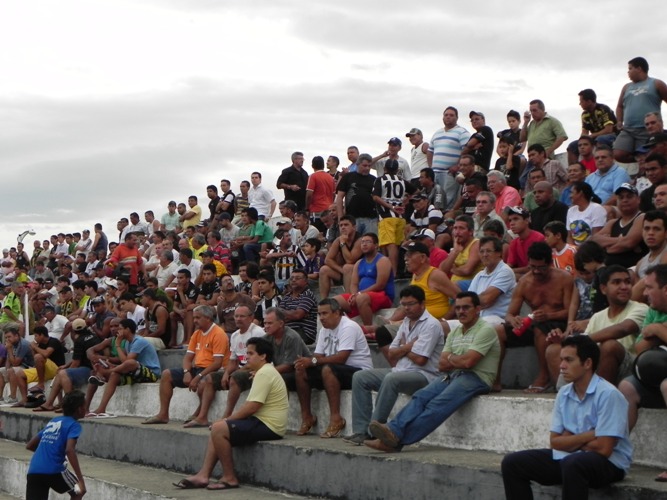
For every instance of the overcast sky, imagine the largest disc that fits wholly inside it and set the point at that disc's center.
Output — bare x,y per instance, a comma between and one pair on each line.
109,107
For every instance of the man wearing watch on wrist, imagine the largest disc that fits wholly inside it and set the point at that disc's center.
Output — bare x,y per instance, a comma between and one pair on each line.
208,351
341,351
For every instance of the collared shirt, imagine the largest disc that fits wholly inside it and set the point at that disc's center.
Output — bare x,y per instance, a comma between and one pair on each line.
260,198
479,222
604,409
482,338
546,132
430,341
605,184
347,336
502,278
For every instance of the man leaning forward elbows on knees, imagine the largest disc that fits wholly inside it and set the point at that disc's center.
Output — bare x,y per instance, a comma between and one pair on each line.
341,351
263,417
415,352
469,362
207,352
590,445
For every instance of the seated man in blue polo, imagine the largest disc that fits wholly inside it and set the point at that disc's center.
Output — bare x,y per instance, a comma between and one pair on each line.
138,364
590,445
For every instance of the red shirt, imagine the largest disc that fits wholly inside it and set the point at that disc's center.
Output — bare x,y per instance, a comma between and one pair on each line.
518,252
589,164
437,256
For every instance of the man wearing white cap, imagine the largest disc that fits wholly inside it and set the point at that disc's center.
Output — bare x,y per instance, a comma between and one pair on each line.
418,159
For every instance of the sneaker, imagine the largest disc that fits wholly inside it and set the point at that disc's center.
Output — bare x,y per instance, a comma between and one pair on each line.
11,401
356,439
95,380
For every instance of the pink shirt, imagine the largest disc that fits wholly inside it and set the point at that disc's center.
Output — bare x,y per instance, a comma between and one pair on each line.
508,197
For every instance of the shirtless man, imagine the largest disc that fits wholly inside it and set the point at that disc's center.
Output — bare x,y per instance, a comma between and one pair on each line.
548,292
345,251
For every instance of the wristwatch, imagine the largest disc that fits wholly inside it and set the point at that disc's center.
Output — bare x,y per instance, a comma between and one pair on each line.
185,371
314,361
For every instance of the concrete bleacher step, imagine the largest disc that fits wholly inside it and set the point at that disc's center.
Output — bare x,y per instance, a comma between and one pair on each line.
110,480
310,466
500,422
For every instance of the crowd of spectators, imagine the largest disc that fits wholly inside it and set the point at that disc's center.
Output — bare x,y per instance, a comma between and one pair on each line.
542,247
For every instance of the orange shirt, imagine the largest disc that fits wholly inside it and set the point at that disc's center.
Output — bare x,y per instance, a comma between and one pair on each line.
208,345
565,259
322,185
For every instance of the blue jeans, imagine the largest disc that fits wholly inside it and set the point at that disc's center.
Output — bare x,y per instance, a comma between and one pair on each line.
250,252
389,385
450,187
432,405
366,225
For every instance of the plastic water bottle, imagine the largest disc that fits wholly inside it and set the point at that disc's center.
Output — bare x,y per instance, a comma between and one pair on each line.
525,324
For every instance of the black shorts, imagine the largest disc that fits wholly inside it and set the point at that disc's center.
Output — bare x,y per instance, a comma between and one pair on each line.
248,431
243,380
649,397
528,337
38,485
177,376
343,373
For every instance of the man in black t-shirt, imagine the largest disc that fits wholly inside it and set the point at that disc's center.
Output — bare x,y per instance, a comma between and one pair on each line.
75,373
356,188
49,354
480,144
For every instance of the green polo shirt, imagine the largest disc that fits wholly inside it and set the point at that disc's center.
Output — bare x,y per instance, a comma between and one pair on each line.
481,338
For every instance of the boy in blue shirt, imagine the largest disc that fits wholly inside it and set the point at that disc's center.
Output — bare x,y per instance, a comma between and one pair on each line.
55,443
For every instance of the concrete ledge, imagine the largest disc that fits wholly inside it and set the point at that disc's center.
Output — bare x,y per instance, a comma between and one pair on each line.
108,480
500,423
298,464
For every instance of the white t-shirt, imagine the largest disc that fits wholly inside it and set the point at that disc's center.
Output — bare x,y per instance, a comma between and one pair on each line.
503,279
138,316
162,274
238,342
581,224
347,336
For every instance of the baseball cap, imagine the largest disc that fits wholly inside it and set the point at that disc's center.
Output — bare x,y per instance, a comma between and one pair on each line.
476,113
656,139
518,211
420,196
78,324
416,246
395,141
110,282
626,187
424,233
97,300
414,131
283,220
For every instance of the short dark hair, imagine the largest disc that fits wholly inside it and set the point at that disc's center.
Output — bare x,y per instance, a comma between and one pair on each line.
494,225
470,222
129,324
251,212
72,402
660,272
639,62
588,251
657,157
415,292
268,276
607,271
653,215
538,103
497,243
586,138
372,236
314,242
586,348
557,227
429,172
40,330
262,347
537,148
335,159
473,296
185,272
513,114
453,109
349,218
540,251
186,252
212,187
588,95
318,163
209,267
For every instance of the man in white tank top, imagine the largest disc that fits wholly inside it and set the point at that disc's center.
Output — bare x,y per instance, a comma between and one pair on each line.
417,154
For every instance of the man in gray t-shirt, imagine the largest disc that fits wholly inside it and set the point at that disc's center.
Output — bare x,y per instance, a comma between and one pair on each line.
19,357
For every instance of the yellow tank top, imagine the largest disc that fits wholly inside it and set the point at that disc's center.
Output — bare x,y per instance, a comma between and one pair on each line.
437,304
461,259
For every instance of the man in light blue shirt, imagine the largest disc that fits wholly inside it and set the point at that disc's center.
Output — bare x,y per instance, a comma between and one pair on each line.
590,443
608,177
